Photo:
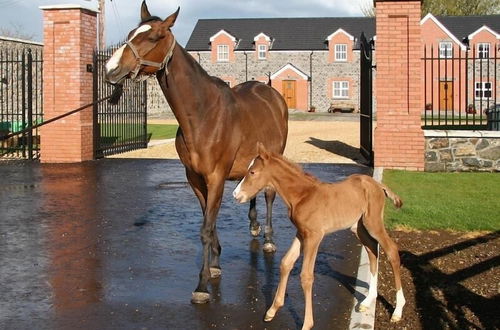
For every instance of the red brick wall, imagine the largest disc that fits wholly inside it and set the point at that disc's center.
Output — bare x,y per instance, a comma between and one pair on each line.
399,140
69,38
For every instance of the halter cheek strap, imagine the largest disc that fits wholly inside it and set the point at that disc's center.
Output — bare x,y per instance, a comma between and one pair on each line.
141,61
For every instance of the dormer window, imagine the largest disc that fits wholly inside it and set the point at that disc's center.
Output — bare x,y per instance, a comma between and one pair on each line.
222,53
445,49
262,49
340,52
483,50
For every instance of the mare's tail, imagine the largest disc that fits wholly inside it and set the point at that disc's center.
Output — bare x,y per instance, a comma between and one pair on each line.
389,193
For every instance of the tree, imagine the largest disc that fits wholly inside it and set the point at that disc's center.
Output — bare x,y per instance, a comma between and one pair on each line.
15,30
449,7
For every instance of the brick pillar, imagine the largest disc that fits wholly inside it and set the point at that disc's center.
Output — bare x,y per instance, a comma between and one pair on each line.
69,40
399,139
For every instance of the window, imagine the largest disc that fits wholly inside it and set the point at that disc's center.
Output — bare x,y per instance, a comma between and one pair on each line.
340,52
483,90
483,50
340,89
222,53
445,49
262,52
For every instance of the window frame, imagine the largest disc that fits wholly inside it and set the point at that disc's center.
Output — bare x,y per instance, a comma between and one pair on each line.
481,52
481,90
446,51
262,51
223,53
342,89
339,52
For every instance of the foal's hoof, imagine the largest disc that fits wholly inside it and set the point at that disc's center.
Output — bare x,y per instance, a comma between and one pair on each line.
215,272
395,318
200,297
269,248
268,318
255,231
363,308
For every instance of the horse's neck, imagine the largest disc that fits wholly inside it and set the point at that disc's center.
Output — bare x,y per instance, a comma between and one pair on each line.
291,183
181,88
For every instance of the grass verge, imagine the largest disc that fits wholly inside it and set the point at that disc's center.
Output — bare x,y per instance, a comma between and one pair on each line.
162,131
455,201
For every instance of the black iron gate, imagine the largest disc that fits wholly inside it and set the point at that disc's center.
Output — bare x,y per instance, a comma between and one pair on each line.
20,101
122,127
366,112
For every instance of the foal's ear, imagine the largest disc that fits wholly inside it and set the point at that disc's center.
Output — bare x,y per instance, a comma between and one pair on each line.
144,11
170,20
262,151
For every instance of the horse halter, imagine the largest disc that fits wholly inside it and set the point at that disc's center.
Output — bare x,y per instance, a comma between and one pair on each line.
141,61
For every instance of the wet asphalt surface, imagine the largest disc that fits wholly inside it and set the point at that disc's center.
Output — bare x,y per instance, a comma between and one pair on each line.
114,244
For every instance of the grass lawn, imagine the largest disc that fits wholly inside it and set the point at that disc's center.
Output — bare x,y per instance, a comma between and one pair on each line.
162,131
456,201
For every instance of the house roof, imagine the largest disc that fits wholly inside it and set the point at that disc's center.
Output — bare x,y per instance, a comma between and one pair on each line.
310,33
463,26
287,33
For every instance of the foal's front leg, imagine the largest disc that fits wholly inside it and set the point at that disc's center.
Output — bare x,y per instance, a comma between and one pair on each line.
286,266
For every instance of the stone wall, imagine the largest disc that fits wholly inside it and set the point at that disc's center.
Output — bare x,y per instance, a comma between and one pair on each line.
460,151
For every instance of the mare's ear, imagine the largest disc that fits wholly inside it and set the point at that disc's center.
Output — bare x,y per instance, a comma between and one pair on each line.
170,20
144,11
262,151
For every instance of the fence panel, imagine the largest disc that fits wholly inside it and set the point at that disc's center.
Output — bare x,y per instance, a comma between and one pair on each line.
21,103
461,88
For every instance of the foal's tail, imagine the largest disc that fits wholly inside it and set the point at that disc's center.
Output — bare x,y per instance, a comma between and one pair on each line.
389,193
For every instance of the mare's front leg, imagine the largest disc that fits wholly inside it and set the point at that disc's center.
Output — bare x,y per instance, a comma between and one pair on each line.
209,239
286,266
269,245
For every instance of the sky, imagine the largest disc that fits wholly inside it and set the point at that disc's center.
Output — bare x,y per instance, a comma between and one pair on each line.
123,15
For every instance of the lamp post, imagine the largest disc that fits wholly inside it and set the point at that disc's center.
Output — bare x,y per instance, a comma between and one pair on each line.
101,40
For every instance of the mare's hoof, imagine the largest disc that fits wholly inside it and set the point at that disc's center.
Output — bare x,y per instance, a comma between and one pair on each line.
363,308
200,297
255,231
395,318
215,272
269,248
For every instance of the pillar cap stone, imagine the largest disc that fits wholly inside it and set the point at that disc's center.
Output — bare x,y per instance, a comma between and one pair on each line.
375,1
68,6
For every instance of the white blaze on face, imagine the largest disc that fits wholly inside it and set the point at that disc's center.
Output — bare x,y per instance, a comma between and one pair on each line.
237,190
114,61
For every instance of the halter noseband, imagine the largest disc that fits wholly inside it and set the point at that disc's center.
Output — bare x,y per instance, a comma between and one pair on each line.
141,61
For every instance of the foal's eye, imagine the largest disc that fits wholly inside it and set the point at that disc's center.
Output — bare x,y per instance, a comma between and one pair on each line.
252,172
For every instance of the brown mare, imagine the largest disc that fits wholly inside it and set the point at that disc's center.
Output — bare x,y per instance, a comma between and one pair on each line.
317,209
218,126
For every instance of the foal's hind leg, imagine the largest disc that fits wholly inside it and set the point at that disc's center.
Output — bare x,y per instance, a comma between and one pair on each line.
371,247
252,215
269,245
376,229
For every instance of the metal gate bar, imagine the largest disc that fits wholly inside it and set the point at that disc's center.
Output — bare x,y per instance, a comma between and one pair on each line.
122,127
366,96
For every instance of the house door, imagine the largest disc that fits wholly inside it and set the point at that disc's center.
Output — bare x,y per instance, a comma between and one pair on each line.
446,95
289,94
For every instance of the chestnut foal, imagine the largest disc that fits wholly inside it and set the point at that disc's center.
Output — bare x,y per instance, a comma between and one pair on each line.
316,209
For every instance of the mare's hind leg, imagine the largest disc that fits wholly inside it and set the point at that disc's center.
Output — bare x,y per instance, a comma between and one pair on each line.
376,229
371,247
252,215
269,245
